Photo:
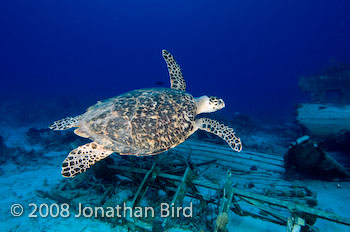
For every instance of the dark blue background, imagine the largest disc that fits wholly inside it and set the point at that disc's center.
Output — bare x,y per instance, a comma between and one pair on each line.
249,52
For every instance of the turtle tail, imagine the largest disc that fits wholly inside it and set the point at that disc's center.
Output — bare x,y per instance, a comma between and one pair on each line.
65,123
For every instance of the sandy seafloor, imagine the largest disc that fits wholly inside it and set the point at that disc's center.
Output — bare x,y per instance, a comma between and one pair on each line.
18,184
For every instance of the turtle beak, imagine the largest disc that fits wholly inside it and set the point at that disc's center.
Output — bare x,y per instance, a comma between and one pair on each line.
221,103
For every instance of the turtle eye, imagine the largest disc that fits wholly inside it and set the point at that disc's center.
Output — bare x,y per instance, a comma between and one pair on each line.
212,100
216,103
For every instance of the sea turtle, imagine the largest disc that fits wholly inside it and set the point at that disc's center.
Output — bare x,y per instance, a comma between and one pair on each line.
142,122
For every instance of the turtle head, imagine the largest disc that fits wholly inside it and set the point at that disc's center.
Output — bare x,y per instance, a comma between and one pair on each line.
210,104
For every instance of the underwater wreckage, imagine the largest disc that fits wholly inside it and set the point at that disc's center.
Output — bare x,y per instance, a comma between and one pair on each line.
192,173
326,122
329,113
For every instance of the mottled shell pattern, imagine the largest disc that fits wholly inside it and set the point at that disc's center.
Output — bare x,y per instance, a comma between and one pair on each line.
140,122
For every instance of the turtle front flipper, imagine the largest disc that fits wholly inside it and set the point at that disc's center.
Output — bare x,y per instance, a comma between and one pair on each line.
65,123
221,130
82,158
177,81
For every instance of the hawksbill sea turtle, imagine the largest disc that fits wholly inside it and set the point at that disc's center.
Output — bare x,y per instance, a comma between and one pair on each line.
142,122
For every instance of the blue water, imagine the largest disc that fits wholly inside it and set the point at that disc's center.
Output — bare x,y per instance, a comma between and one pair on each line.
59,57
250,53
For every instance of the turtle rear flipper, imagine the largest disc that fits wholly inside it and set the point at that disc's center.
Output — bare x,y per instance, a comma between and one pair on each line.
82,158
65,123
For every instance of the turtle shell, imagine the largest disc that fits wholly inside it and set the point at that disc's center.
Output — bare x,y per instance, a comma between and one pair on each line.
140,122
